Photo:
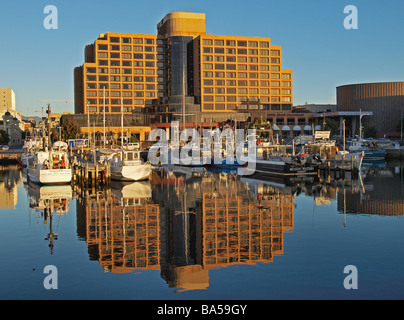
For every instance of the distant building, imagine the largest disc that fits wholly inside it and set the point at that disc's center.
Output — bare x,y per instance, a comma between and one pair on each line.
7,101
316,108
11,125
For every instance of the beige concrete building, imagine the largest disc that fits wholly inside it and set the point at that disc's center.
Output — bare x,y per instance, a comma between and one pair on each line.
7,100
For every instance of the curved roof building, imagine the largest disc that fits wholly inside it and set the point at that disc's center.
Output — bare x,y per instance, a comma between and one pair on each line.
385,100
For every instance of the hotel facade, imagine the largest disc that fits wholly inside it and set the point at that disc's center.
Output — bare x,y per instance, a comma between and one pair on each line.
182,73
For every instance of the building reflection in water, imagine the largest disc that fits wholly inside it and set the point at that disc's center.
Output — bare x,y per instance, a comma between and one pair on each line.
185,223
121,227
382,192
10,177
48,201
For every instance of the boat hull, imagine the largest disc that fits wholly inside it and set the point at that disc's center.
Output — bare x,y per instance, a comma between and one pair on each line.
276,167
131,173
374,155
50,176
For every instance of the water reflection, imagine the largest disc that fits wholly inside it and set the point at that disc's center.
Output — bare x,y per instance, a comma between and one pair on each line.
185,222
10,177
48,201
382,192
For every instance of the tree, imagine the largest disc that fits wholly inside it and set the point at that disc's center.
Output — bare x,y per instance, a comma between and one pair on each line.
54,134
332,125
4,138
70,129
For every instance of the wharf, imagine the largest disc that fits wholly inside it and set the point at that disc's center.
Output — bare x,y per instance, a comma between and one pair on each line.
88,174
10,156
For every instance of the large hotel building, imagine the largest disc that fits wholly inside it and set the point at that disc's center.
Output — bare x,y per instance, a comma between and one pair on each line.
182,73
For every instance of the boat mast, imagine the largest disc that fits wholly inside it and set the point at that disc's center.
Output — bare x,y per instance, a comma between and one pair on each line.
183,98
121,123
104,117
49,128
88,124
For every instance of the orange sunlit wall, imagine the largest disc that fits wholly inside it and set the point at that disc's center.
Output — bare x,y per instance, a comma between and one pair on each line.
240,73
130,69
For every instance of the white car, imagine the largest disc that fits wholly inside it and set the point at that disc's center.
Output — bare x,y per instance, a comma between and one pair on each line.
5,148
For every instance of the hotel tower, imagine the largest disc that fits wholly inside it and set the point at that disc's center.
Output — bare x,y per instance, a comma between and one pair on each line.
182,73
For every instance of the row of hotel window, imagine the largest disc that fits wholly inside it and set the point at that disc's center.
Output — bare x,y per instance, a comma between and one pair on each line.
245,91
206,82
232,43
205,106
115,109
135,40
234,106
206,74
126,79
129,71
126,86
148,94
253,52
244,75
245,99
205,91
105,47
205,99
251,67
138,56
242,59
208,42
207,58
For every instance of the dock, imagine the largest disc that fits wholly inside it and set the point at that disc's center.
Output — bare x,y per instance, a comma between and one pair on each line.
88,174
10,156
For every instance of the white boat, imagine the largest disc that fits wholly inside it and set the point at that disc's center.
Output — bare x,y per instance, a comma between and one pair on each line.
127,165
29,148
49,167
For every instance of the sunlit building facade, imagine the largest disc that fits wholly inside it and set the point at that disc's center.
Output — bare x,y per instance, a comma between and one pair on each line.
183,73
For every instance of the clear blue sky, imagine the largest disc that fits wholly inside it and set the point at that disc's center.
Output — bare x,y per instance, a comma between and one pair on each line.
38,63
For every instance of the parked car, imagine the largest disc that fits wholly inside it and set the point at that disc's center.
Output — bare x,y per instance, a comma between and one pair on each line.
5,148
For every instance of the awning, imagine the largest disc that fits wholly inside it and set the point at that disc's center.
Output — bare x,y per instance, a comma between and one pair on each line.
317,128
297,128
285,128
275,127
308,128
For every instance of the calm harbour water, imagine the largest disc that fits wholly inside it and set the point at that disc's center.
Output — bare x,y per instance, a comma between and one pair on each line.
205,235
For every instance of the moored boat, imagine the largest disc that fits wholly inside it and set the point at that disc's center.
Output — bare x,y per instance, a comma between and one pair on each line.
128,165
49,168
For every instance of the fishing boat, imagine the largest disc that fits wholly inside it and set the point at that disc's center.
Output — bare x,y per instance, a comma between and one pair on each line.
195,157
29,148
49,167
282,165
369,153
128,165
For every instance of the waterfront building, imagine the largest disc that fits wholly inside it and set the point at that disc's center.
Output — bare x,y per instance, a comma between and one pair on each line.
385,101
11,125
182,73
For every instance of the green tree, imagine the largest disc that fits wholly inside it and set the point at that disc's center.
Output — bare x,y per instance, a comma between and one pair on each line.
70,129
